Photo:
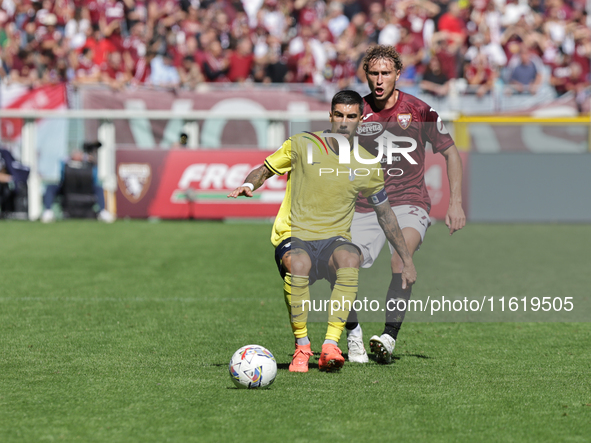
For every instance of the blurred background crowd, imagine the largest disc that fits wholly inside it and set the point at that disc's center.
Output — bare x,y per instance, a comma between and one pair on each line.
186,43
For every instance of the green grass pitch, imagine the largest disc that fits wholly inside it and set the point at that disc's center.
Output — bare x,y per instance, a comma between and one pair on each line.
123,333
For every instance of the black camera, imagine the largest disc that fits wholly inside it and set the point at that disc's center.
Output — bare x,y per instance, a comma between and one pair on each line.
90,147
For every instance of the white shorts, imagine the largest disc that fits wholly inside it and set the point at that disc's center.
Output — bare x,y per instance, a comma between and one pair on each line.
367,233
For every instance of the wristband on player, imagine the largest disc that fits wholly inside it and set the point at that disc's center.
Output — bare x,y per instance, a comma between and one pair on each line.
248,185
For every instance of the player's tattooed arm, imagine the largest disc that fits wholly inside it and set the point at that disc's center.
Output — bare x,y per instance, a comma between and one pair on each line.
389,224
256,178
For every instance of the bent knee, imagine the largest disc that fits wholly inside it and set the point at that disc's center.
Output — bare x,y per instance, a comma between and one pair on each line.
347,259
300,264
300,268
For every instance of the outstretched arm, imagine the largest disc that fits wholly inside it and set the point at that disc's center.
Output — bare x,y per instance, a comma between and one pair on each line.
256,178
389,224
455,219
5,178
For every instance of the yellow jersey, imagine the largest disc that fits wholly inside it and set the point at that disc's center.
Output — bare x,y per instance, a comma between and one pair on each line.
319,200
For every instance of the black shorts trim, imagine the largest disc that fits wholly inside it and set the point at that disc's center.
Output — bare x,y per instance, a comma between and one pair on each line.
319,252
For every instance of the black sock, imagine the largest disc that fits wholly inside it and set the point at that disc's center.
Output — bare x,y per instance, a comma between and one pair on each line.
352,321
395,317
350,325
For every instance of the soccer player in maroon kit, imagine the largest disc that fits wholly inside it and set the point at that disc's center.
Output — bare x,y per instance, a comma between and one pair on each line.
389,116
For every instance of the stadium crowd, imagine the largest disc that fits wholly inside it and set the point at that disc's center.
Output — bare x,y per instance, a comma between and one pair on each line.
183,43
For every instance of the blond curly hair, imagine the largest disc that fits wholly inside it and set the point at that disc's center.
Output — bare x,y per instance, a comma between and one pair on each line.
382,51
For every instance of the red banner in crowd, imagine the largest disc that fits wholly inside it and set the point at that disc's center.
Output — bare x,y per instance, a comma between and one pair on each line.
21,97
193,184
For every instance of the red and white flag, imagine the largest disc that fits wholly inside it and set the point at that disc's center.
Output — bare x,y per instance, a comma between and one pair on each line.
22,97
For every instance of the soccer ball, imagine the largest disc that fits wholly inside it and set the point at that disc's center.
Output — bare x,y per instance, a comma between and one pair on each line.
252,367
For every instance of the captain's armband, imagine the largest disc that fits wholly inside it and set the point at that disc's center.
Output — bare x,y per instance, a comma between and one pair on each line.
378,198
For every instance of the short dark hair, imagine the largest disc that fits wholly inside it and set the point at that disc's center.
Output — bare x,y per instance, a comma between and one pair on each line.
347,97
382,52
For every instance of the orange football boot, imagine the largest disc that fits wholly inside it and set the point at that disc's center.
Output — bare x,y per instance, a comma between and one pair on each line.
302,354
331,358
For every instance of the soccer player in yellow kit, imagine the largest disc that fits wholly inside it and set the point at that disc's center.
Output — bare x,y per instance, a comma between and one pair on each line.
311,233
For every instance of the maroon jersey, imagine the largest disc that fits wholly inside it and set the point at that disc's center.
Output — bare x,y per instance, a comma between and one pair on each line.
409,119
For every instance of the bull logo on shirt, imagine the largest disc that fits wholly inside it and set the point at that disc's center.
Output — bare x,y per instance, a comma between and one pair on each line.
134,180
404,120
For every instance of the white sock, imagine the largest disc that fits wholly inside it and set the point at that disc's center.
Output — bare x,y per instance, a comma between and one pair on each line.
303,341
330,342
356,332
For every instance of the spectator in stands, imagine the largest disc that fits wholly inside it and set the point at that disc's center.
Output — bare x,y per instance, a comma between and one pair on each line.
272,18
481,44
46,66
525,74
312,53
142,70
307,11
355,36
190,74
276,70
191,24
341,70
75,30
241,61
50,36
30,40
568,76
452,21
411,51
23,69
514,11
305,69
336,21
216,63
85,71
100,45
446,47
113,72
480,76
434,80
390,32
111,20
378,21
163,72
410,47
582,48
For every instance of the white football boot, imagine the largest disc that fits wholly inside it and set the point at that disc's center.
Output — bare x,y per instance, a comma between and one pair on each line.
356,349
382,347
106,216
47,216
